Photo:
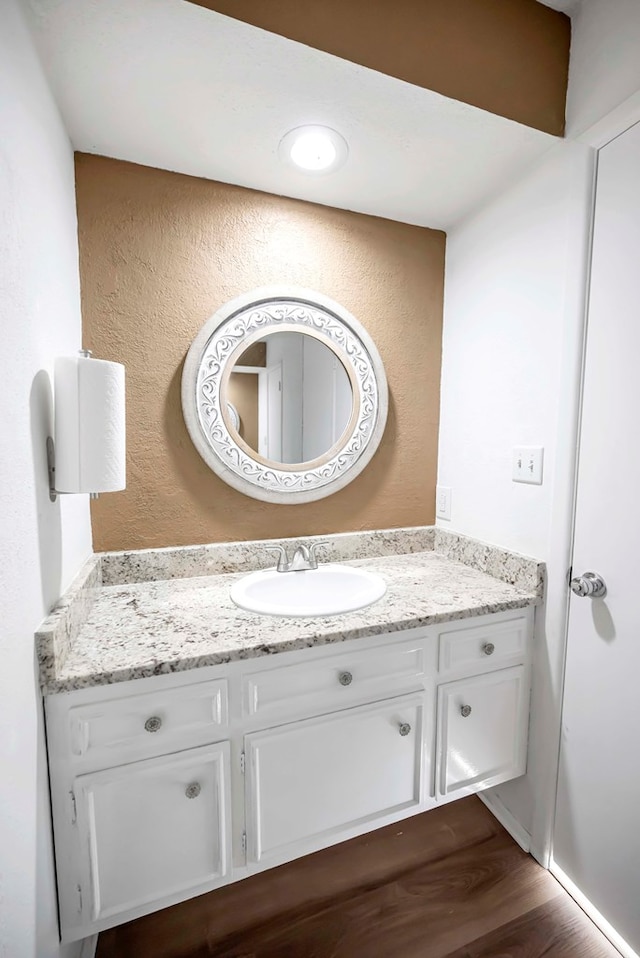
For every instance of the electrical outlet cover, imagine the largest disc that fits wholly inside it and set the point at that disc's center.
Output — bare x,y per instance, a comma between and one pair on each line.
443,502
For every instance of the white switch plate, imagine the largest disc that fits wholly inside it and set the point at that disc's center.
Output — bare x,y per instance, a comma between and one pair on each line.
443,502
527,464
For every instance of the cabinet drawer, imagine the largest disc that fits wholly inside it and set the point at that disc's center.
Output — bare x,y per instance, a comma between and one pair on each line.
483,646
155,720
482,731
308,782
333,681
154,830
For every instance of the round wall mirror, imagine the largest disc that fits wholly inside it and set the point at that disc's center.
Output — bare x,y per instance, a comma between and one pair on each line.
294,398
284,395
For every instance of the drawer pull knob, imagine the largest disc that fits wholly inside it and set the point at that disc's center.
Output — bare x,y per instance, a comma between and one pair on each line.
488,648
405,728
465,711
193,790
153,724
345,678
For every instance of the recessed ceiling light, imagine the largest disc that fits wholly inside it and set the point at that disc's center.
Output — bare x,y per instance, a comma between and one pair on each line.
313,149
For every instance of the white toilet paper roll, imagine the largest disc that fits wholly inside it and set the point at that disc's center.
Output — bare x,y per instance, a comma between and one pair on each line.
89,425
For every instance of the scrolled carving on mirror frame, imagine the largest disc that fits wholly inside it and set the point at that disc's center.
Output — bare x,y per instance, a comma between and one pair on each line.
246,319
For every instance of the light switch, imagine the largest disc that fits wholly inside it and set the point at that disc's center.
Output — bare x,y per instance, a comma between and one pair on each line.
527,464
443,502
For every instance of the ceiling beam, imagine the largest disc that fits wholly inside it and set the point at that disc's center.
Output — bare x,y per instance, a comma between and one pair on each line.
509,57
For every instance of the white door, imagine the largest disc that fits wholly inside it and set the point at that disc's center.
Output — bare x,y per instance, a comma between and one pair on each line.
597,830
155,831
310,781
327,399
482,731
270,413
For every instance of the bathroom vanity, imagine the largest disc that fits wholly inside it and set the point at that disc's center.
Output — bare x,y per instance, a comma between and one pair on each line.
192,743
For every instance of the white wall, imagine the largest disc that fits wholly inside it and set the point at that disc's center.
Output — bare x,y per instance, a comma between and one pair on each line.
507,271
514,307
605,60
41,544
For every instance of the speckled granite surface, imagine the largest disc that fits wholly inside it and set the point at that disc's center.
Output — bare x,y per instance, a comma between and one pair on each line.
149,565
60,629
133,630
521,571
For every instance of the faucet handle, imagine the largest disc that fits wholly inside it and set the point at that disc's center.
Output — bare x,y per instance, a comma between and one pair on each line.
313,559
283,558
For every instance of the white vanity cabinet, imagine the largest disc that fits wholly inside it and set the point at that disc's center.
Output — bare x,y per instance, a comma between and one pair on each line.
482,716
169,786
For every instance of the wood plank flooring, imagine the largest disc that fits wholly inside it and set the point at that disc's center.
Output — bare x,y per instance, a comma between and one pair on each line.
450,883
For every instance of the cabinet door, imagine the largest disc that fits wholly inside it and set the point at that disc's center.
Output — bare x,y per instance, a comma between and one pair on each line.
310,782
482,731
155,830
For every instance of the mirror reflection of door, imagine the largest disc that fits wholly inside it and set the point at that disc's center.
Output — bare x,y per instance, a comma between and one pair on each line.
293,395
270,414
327,399
242,392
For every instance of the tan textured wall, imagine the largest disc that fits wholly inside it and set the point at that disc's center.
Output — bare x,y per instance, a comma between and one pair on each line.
159,253
510,57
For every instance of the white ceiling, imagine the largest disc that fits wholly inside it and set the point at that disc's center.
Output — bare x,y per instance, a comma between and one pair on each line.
168,84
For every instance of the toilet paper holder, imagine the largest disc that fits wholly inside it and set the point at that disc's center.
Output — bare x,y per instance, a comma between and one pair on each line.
87,454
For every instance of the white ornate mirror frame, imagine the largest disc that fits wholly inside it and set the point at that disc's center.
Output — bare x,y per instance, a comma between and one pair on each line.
207,367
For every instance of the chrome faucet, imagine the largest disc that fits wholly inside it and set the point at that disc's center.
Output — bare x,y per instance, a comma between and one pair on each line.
304,557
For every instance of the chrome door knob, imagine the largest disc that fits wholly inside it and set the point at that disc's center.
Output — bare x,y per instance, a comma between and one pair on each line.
404,728
465,711
193,790
345,678
153,724
590,584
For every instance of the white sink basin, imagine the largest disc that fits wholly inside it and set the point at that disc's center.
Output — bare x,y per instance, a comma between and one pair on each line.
327,590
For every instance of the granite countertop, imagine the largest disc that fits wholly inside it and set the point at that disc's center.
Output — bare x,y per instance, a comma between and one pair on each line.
100,634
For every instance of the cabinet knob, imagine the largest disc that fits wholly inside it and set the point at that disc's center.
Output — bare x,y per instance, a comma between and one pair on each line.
488,648
465,711
153,724
193,790
405,728
345,678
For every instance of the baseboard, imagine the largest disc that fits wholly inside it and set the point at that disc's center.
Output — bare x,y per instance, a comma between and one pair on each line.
592,912
89,946
506,819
